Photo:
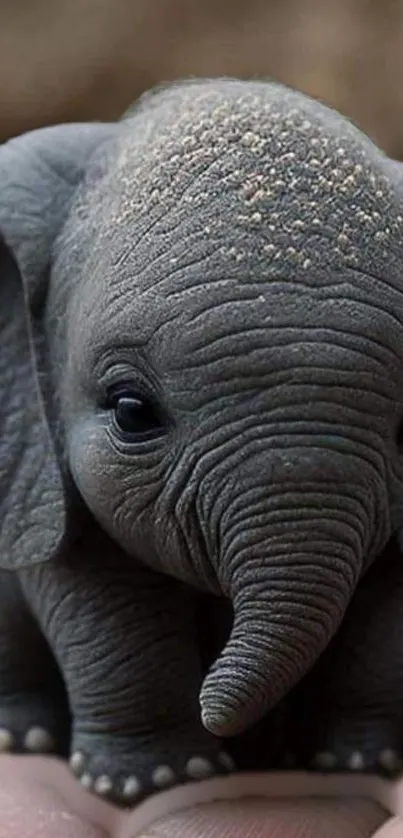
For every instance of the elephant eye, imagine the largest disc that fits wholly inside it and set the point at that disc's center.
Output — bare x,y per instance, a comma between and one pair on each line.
136,417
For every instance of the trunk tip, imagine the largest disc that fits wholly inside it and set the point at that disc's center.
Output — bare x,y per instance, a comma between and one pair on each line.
212,721
219,721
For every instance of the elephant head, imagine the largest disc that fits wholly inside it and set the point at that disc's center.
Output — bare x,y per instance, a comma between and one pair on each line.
223,318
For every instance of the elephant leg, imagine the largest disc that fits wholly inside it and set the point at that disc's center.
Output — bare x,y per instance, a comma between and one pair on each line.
124,638
349,710
34,714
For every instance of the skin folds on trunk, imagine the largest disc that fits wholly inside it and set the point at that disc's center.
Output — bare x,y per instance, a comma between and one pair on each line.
290,579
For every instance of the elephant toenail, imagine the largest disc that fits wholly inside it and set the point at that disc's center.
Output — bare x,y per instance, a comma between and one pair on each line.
325,760
86,781
7,741
198,768
390,760
39,740
226,761
103,785
131,788
356,761
77,762
163,776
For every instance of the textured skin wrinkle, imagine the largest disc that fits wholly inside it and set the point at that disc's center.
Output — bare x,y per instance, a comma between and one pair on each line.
199,183
298,444
196,542
233,347
298,440
281,495
280,315
358,353
277,522
250,683
112,663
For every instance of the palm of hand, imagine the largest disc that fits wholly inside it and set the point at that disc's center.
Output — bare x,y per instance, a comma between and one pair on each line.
38,797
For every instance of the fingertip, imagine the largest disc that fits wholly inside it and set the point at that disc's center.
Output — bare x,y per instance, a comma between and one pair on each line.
259,818
36,800
392,829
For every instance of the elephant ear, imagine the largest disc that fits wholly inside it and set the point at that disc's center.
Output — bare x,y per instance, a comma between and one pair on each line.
39,173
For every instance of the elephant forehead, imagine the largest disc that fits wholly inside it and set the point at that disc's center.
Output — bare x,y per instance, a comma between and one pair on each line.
225,193
248,171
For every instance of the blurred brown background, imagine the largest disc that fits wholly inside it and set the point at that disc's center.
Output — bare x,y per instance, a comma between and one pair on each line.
82,59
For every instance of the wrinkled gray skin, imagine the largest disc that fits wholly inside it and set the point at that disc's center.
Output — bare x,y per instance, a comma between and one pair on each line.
202,331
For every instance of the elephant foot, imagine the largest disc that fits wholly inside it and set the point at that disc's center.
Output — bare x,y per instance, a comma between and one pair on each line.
366,746
32,723
125,771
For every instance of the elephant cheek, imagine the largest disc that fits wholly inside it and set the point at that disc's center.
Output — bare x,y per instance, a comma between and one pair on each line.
90,470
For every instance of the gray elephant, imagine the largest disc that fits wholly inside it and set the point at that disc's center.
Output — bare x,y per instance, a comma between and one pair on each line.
201,365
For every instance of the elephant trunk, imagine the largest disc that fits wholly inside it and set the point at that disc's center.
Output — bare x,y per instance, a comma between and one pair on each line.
289,595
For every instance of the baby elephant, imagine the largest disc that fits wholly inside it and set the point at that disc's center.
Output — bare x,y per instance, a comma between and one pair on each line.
201,320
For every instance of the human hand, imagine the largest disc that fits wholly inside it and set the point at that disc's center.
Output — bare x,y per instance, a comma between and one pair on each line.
39,799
